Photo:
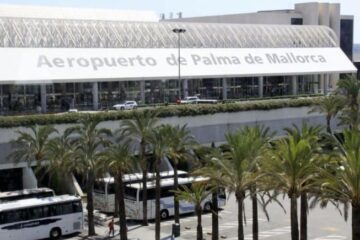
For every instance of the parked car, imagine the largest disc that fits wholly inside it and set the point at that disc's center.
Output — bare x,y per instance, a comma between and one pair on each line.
196,100
127,105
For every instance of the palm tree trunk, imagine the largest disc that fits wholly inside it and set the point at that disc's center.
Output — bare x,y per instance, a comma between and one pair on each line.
157,201
328,125
294,218
122,213
116,200
90,202
199,230
303,216
255,226
144,181
355,222
176,201
240,201
215,217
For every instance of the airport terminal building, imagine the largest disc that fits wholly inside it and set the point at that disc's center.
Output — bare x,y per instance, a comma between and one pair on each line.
53,59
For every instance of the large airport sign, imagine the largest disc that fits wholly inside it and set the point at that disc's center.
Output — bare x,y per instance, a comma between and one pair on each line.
46,65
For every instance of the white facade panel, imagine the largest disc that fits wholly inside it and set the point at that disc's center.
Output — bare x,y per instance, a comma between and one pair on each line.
33,65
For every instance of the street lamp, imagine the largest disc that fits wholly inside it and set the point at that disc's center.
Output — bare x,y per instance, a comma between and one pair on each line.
179,31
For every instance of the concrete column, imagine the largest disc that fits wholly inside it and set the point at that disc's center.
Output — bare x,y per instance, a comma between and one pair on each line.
315,83
95,95
43,98
326,84
1,98
224,88
28,177
185,88
321,83
261,87
294,85
142,91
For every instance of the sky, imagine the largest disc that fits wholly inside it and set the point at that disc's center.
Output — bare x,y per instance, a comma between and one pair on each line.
191,8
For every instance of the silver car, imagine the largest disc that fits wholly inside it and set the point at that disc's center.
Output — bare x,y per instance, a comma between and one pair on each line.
127,105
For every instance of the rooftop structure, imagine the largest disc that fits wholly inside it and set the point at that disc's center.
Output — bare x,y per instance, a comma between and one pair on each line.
43,12
56,33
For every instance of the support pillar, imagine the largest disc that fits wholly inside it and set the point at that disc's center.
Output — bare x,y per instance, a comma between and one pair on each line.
315,83
326,84
43,98
321,83
185,88
294,85
261,87
95,95
224,88
142,91
1,99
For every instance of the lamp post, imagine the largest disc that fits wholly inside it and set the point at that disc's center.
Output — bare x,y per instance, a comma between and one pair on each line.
178,31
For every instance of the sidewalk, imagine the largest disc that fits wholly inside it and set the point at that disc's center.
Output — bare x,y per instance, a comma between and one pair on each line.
135,232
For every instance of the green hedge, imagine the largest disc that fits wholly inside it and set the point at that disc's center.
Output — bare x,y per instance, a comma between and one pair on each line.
163,111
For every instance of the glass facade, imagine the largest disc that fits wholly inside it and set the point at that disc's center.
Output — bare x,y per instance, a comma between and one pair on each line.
63,96
347,38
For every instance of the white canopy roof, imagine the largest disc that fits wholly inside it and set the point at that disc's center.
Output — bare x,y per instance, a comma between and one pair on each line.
47,65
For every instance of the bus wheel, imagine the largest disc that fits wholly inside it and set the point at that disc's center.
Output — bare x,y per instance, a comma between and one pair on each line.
207,207
164,214
55,233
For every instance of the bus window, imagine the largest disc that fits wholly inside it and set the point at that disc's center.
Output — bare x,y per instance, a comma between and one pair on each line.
67,208
77,207
35,213
167,192
99,187
130,193
111,188
150,194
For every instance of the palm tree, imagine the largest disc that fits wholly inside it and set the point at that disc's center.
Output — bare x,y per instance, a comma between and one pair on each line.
261,137
312,134
59,152
180,142
215,180
289,168
31,145
329,106
350,87
159,144
139,128
344,183
207,168
238,165
88,146
119,161
196,195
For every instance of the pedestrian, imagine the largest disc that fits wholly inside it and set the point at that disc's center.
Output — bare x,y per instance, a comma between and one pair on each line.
111,227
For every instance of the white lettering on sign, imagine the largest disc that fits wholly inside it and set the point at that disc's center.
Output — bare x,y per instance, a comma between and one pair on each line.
39,65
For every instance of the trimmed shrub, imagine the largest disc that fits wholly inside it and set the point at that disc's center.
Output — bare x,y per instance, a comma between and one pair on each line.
163,111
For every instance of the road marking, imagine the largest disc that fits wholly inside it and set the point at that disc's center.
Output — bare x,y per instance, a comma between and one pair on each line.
331,237
269,233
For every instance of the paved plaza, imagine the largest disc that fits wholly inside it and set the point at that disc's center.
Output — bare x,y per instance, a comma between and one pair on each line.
323,224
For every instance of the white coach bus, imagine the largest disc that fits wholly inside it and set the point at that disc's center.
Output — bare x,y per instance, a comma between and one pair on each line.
25,194
133,198
38,218
104,188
